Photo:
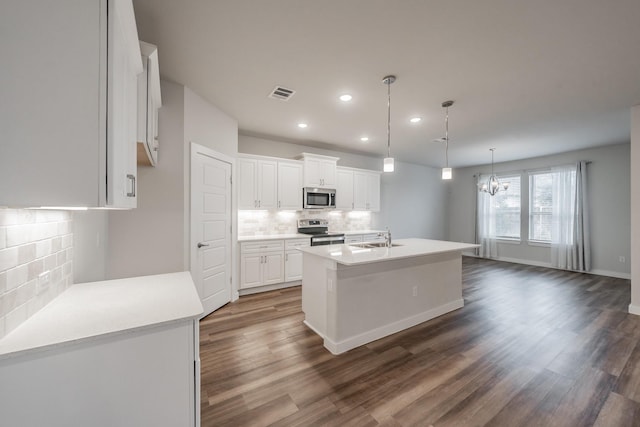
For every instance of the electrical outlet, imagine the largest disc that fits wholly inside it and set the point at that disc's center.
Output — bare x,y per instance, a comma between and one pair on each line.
43,280
415,291
622,259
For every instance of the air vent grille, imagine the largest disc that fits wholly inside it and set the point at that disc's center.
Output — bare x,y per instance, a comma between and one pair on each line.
281,93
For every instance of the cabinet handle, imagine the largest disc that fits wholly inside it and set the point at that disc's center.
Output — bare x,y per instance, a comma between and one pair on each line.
132,179
255,203
259,202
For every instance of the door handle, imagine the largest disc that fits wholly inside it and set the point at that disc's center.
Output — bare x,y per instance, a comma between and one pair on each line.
201,245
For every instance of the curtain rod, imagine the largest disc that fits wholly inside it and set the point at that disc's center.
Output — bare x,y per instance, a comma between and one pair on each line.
528,170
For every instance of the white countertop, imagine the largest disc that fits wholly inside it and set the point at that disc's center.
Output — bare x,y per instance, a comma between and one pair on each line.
352,255
300,235
273,237
91,310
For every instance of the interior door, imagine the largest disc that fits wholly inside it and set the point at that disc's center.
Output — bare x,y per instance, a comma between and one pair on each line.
211,263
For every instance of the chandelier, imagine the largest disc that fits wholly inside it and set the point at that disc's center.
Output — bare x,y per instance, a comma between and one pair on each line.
493,185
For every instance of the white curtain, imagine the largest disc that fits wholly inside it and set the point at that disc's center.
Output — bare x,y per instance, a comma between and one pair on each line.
486,220
570,247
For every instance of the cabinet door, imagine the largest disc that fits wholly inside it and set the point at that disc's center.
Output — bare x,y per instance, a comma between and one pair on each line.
123,67
360,191
289,186
273,268
373,192
344,189
293,266
247,179
250,270
267,184
328,173
312,177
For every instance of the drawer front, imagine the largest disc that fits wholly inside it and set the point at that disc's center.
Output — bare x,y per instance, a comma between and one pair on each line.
297,243
373,237
353,239
264,246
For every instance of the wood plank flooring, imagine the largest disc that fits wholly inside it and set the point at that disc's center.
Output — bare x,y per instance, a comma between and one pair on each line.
531,347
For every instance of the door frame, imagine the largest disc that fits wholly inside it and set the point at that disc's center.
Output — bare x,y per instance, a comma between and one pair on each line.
196,149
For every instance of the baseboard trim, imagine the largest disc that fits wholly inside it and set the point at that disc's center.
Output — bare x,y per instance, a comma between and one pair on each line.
392,328
267,288
596,272
634,309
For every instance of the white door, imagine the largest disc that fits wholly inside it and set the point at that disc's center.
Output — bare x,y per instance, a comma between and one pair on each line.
344,190
247,172
289,186
293,266
267,184
273,268
211,227
251,270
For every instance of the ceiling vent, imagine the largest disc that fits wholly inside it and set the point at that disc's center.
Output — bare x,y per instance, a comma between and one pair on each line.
281,93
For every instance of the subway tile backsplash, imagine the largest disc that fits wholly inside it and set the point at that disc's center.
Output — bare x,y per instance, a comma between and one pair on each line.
36,262
264,223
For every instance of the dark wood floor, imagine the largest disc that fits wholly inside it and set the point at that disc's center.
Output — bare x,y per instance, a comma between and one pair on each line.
532,346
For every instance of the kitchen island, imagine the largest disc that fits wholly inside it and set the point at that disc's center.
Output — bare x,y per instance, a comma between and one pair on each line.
352,295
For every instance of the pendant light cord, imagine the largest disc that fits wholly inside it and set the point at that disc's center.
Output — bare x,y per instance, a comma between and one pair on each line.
446,139
389,118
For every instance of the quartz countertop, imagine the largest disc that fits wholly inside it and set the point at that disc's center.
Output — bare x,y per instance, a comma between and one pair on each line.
353,255
91,310
273,237
301,236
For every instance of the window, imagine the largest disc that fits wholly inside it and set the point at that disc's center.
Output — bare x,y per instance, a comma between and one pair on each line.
541,203
540,206
505,208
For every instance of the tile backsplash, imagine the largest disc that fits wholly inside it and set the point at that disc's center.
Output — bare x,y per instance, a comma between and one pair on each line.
262,223
36,262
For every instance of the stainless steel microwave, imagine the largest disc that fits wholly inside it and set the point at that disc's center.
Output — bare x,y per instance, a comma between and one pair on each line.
318,198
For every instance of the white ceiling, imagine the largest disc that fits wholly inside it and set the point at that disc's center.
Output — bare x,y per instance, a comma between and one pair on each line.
528,77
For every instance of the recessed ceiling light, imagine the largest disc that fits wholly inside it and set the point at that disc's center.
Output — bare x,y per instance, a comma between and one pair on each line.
415,119
346,97
302,125
364,139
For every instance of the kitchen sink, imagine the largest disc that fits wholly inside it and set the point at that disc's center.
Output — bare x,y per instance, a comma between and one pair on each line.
373,245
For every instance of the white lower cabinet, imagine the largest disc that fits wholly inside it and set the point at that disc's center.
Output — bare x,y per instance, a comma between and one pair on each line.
293,259
271,262
261,263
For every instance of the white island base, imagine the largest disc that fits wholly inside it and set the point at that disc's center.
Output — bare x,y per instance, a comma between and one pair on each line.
351,297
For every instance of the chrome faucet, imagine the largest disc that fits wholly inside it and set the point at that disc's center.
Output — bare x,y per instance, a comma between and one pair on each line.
387,238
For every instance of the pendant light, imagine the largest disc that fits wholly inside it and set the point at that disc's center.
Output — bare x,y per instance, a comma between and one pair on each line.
447,172
493,185
388,161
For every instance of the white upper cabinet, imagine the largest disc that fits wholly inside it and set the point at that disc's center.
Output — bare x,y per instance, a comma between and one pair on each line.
344,189
257,183
319,171
358,189
149,102
69,103
290,185
269,183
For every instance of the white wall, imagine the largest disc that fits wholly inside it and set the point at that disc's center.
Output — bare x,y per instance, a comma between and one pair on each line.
288,150
412,199
413,202
608,179
154,237
635,211
90,242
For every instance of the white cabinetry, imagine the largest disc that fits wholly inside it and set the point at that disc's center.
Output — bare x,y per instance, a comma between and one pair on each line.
290,185
293,258
358,189
319,171
69,103
149,101
353,238
269,183
344,189
261,263
257,183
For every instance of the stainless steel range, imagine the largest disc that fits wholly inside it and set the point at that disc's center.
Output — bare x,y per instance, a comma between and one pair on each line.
319,231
